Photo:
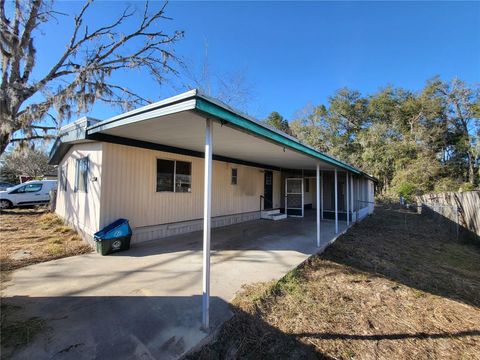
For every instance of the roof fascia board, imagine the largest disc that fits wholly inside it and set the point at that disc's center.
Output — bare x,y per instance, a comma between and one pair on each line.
218,111
158,104
158,110
245,116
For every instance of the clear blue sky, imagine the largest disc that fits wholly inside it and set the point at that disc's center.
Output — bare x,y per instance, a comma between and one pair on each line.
298,52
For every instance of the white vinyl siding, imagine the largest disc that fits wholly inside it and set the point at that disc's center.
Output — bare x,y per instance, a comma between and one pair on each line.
129,179
81,209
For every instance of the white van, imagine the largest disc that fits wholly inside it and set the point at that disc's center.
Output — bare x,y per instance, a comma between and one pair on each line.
29,193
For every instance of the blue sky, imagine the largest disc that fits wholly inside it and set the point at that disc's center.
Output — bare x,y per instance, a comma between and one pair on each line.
294,53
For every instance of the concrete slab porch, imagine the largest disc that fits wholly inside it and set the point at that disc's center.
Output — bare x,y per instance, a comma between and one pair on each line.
146,302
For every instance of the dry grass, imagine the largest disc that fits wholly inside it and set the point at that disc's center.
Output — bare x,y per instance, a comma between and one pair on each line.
30,236
395,287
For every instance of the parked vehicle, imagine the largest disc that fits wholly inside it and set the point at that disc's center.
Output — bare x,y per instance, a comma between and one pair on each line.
5,185
29,193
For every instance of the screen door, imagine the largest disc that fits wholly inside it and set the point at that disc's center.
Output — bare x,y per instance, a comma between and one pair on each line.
294,197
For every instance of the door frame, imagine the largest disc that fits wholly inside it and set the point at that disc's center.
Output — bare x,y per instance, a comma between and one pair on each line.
265,199
286,197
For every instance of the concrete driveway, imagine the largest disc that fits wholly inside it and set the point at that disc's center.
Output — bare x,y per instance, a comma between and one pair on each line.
145,303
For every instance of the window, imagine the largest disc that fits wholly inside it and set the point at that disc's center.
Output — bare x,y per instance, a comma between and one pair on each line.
307,185
62,178
165,175
81,176
30,188
174,176
234,176
183,176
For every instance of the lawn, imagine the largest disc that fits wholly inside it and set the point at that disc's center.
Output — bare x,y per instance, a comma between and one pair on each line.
33,235
395,286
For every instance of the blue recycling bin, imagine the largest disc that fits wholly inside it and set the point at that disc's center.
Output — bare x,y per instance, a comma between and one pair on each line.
114,237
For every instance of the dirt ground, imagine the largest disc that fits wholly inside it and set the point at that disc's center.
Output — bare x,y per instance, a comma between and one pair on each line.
396,286
33,235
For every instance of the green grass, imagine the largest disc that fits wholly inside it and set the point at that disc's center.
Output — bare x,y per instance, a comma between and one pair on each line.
289,284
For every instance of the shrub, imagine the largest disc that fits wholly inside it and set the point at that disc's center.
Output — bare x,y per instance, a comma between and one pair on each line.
447,184
466,187
407,190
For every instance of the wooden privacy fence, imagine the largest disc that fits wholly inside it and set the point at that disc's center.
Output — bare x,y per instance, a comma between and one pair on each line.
461,208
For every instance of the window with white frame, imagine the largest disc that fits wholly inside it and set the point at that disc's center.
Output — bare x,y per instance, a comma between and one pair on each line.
81,174
174,176
234,176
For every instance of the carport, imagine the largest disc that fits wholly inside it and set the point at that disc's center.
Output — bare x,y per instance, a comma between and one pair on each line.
146,301
197,125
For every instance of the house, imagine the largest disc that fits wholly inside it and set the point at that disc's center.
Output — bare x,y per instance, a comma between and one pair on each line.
147,166
189,163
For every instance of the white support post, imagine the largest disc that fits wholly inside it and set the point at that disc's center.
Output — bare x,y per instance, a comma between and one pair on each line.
318,204
207,214
351,194
348,199
358,198
321,195
303,195
336,203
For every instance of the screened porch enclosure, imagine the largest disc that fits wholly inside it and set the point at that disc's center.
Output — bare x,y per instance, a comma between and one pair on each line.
306,194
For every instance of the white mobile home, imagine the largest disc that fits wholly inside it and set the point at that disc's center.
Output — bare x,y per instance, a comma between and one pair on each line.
148,166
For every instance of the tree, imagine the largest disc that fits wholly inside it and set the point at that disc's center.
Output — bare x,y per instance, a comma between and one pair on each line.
232,88
278,122
27,161
460,104
308,124
412,142
334,129
82,74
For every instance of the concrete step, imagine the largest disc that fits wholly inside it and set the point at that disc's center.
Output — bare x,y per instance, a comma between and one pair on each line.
266,213
279,216
273,215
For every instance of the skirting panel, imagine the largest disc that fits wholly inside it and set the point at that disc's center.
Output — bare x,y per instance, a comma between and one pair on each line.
147,233
363,213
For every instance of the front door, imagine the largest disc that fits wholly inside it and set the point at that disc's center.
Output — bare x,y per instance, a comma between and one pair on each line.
268,190
294,197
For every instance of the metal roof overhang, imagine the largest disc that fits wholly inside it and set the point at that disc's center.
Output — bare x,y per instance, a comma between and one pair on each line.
177,124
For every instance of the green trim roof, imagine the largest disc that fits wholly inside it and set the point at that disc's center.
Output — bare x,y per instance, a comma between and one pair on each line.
263,131
203,104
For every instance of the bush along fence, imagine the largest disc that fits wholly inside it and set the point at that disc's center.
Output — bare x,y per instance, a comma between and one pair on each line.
459,209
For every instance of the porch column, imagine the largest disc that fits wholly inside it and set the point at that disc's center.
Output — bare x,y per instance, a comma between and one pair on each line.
318,204
207,213
351,193
348,199
336,202
357,187
321,195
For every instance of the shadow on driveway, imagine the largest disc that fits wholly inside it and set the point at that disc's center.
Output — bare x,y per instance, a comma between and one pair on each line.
131,327
117,327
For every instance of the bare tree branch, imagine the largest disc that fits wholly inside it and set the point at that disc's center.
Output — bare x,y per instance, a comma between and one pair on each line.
80,75
35,137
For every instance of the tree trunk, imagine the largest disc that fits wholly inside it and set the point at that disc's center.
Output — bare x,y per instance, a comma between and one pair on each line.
4,141
471,169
